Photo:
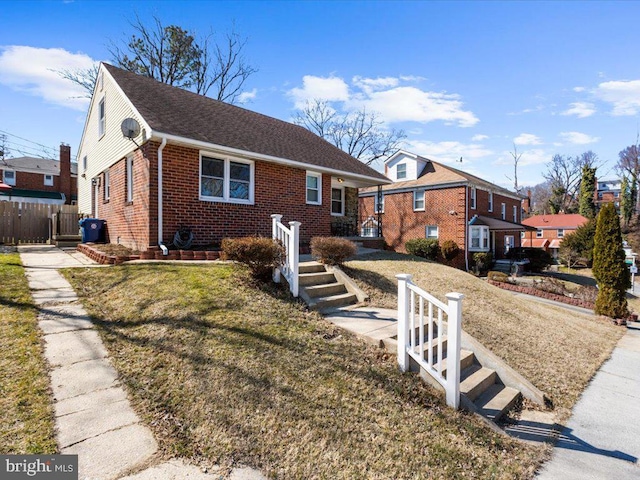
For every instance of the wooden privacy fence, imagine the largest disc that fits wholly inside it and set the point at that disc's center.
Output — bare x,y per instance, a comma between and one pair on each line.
32,222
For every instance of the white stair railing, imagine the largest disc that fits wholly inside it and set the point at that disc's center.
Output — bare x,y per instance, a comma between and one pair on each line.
290,238
412,342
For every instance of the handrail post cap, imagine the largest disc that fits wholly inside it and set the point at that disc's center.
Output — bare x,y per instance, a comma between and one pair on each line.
404,276
454,296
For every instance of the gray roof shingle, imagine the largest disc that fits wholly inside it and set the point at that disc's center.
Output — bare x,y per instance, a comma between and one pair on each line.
175,111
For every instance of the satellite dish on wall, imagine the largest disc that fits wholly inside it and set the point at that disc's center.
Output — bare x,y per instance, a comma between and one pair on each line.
130,128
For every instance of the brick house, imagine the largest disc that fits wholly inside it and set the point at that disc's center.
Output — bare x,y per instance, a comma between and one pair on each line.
550,230
608,191
431,200
218,169
40,180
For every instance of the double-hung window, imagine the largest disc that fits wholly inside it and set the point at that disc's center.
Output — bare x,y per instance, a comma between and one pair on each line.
314,188
401,171
10,177
226,180
490,206
503,212
101,118
479,238
418,200
472,200
538,233
337,201
561,233
48,180
515,214
431,231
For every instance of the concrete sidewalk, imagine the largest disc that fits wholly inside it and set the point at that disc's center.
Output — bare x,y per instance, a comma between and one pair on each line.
93,416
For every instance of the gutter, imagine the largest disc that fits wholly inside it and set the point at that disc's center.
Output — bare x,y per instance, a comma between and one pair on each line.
160,218
466,227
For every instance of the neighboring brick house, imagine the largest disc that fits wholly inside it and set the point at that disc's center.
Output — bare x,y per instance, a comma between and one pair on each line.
608,191
432,200
550,230
40,180
195,162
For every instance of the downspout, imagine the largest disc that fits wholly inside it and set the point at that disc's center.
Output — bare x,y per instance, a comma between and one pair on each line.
466,226
160,219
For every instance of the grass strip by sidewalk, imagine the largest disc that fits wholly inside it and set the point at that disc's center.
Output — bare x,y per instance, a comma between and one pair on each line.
26,412
558,350
225,373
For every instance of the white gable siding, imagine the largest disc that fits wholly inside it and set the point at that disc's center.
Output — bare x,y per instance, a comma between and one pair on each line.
414,167
102,152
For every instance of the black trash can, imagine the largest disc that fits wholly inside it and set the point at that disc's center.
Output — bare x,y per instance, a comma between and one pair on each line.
92,230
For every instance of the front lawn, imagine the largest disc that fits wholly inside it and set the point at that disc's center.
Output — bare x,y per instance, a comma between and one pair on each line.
26,412
558,350
227,373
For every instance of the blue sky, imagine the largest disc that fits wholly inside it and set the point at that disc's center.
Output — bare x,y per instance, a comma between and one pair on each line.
463,79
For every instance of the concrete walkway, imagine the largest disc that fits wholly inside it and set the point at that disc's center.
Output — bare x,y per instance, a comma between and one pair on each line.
93,416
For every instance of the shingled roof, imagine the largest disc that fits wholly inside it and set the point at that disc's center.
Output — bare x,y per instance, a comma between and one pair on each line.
178,112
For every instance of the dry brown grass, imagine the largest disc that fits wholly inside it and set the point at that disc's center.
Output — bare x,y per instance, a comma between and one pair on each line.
224,372
26,411
556,349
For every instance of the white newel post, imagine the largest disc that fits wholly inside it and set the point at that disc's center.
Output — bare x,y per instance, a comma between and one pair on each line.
294,255
454,335
275,219
403,321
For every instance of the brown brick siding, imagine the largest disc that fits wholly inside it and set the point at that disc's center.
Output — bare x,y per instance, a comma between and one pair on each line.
445,208
278,189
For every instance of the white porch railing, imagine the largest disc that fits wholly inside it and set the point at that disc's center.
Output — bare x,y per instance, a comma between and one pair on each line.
419,311
290,238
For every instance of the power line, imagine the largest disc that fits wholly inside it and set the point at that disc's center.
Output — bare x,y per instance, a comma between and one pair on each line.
53,149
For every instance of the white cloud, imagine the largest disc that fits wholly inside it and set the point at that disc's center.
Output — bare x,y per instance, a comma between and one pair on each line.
527,139
580,109
479,138
448,152
578,138
33,71
322,88
387,97
579,89
245,97
624,95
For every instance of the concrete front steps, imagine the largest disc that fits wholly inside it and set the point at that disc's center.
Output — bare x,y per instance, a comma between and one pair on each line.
488,386
325,287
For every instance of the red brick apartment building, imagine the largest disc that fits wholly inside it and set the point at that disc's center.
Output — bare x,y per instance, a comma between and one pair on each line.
550,230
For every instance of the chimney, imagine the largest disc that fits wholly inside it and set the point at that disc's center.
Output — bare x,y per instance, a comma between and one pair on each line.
65,171
526,203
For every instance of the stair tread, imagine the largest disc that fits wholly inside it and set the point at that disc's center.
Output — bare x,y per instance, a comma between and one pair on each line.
464,358
471,384
335,297
323,285
496,400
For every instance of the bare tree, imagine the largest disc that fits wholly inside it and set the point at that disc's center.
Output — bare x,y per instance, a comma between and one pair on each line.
173,55
516,158
361,134
564,174
629,166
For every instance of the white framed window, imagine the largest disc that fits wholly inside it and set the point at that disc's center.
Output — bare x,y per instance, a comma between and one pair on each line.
503,211
418,200
515,214
129,174
490,205
521,235
107,185
479,238
509,243
84,163
48,180
9,177
226,179
314,188
561,233
337,201
378,207
431,231
401,171
369,228
539,233
101,118
472,200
